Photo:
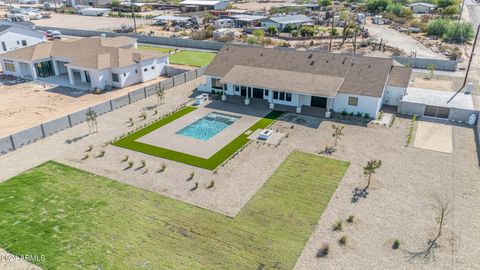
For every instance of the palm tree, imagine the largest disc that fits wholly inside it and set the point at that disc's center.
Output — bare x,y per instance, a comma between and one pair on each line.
370,169
337,133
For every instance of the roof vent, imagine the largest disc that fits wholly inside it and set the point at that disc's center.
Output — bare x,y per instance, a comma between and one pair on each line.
310,56
311,63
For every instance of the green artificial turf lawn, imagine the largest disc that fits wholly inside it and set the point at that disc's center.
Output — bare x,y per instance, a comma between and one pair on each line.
192,58
211,163
189,58
154,48
79,220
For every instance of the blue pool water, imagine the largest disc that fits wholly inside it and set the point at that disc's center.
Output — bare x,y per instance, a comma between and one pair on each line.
208,126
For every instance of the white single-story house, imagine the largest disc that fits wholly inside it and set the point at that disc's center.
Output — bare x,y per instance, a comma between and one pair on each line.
281,21
94,11
202,5
15,37
96,62
422,8
334,82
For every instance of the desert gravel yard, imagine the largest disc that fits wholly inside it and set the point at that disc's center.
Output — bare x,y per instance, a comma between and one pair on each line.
398,206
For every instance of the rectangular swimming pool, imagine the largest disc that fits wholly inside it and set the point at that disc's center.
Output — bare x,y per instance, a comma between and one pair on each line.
208,126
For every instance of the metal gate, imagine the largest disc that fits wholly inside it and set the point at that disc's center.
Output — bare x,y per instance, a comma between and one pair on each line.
437,112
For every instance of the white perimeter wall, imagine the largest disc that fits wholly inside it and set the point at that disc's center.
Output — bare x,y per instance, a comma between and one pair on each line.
370,105
17,34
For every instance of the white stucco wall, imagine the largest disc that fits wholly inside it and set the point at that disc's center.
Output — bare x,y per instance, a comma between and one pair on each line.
370,105
100,78
393,94
13,38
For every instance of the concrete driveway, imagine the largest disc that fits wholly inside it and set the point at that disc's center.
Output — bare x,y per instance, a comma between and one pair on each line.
436,136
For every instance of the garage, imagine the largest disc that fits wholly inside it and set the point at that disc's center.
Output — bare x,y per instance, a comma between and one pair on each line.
437,112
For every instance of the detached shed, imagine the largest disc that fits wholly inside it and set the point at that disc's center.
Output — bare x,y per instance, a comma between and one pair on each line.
437,104
422,8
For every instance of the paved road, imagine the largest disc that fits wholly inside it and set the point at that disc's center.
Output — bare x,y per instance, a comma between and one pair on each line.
400,40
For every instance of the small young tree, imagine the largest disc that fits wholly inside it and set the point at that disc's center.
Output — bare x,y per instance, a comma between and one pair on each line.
337,133
442,207
160,96
370,169
431,69
91,117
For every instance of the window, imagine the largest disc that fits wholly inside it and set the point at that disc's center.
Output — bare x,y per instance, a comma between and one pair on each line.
10,67
145,69
275,95
282,95
115,77
153,67
24,42
216,83
18,42
353,101
4,46
124,74
266,92
289,97
237,88
136,71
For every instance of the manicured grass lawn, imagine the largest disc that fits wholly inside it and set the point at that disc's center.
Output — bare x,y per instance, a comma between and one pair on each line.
192,58
211,163
189,58
78,220
154,48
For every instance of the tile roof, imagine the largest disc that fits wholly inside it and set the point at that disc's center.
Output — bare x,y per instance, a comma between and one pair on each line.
94,53
292,70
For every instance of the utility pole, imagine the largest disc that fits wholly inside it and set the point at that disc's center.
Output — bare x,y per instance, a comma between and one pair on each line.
472,54
461,11
331,31
133,15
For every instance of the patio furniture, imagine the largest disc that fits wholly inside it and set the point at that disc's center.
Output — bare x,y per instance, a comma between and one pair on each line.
200,99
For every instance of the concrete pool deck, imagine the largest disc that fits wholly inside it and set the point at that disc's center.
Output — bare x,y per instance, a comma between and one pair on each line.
166,136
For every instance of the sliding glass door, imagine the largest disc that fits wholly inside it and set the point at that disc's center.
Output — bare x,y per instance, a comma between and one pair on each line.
44,69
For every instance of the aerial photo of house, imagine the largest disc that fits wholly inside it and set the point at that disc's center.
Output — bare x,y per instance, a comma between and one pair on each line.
238,135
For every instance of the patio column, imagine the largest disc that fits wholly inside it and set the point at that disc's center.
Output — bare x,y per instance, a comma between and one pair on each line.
247,96
34,72
82,76
299,109
55,67
271,105
224,96
70,76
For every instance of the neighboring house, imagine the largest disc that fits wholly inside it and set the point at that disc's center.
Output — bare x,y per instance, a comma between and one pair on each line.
281,21
92,62
14,37
202,5
338,82
422,8
224,23
94,11
246,20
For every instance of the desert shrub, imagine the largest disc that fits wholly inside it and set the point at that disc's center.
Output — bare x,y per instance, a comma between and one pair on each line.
351,219
396,244
130,165
343,240
451,10
437,27
85,157
194,187
190,177
338,226
211,184
89,149
459,32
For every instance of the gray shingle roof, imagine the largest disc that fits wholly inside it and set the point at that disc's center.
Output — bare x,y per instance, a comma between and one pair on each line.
317,73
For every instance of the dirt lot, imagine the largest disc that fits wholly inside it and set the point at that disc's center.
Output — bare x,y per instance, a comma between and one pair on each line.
254,5
87,22
28,104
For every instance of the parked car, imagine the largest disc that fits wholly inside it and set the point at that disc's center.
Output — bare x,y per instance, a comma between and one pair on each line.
53,34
